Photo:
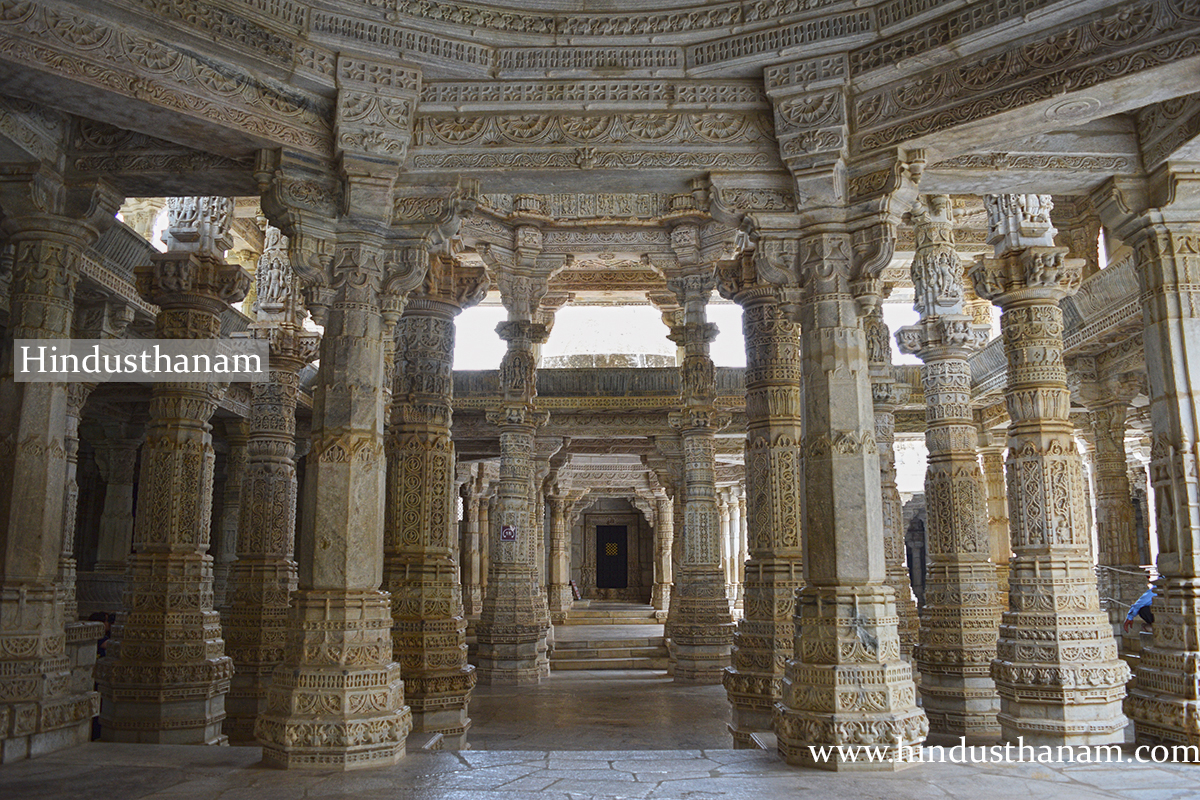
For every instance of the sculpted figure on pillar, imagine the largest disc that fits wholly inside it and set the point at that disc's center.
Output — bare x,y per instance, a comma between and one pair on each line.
847,646
166,674
48,224
962,603
774,480
1160,220
1067,688
421,559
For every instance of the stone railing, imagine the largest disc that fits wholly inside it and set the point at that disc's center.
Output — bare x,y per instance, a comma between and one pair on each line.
658,382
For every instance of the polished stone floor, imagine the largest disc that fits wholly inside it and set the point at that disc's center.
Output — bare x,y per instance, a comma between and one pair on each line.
578,736
600,710
101,771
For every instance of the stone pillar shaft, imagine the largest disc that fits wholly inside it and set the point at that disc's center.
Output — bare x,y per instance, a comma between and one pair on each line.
263,577
1056,670
511,631
1116,536
846,643
991,459
1164,701
337,699
472,586
962,604
225,551
166,674
664,539
774,479
560,596
420,527
40,707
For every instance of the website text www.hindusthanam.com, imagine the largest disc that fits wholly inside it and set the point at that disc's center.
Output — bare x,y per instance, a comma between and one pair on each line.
140,360
1009,753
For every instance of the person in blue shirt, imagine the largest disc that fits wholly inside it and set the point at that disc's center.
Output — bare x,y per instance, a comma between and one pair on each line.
1141,608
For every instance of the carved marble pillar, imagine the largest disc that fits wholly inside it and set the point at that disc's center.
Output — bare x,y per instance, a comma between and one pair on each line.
701,622
725,535
991,460
41,707
743,551
420,527
664,540
735,543
337,699
264,574
1056,670
1164,701
1121,577
77,395
511,632
886,394
774,474
226,539
560,596
962,608
116,457
472,586
847,684
166,674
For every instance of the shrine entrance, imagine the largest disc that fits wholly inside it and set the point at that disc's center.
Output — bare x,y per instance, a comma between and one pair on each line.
612,554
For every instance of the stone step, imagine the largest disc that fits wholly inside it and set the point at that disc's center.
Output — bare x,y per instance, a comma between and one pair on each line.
599,644
603,653
608,663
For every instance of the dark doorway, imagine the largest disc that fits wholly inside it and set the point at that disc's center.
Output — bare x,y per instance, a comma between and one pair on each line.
612,564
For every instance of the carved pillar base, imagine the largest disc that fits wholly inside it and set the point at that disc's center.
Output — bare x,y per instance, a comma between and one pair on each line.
431,648
957,691
702,631
848,685
338,701
1163,701
100,590
512,640
560,599
1064,690
51,711
256,631
761,647
165,677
